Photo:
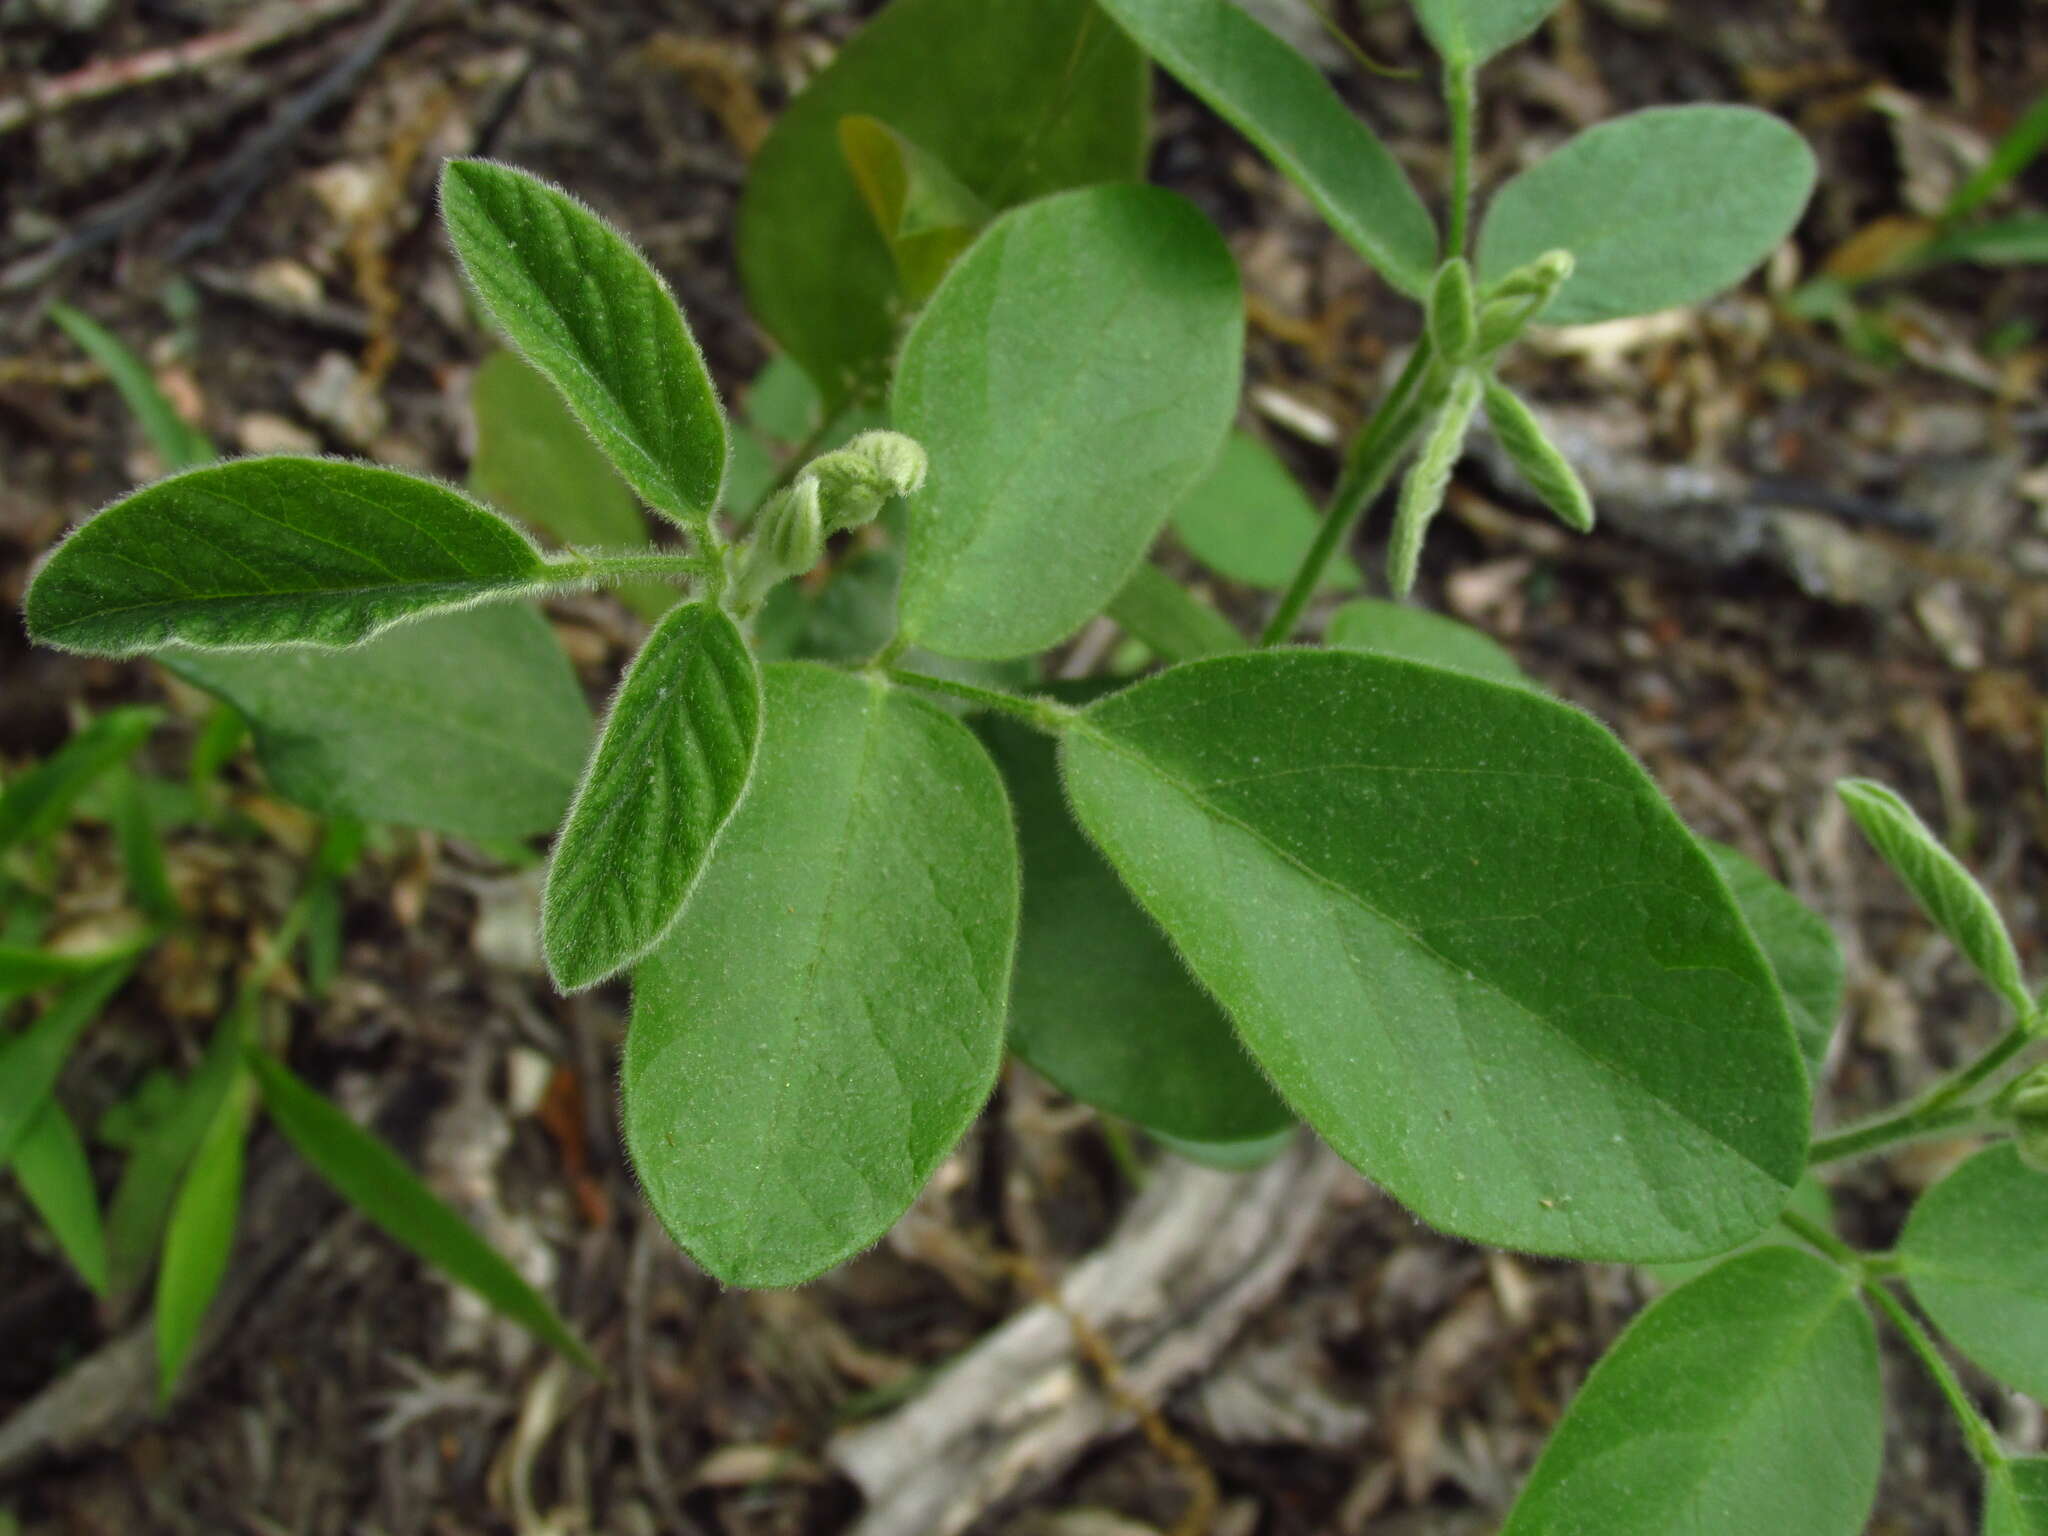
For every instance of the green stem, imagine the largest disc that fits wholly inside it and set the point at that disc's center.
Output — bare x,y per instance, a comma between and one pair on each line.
1042,714
1459,93
1374,456
1820,1237
1939,1110
599,569
2009,1045
1979,1435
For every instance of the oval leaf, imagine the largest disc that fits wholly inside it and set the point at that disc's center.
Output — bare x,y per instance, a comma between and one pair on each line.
670,765
2016,1498
1659,208
1278,100
1071,380
1945,890
282,551
1248,520
1973,1256
1747,1400
573,295
1800,946
826,1018
471,724
1468,32
1401,629
1019,97
1468,941
1101,1004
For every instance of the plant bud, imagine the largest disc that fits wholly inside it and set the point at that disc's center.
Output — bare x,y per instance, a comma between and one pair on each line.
1422,493
854,481
795,528
1517,299
1452,320
2026,1105
1539,279
1549,473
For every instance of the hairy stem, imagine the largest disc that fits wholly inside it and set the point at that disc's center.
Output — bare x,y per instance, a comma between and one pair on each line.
1940,1109
1977,1433
1459,94
1042,714
600,570
1374,456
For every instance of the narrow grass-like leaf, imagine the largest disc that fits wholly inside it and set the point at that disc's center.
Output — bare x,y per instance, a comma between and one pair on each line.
31,1060
1800,946
926,215
1662,207
1973,1254
825,1020
30,970
2016,1498
1020,98
35,804
1158,610
1071,380
50,1162
1401,629
2021,240
1247,519
1101,1004
1277,99
177,442
1748,1400
468,723
573,295
1946,891
370,1176
279,551
1469,32
142,850
201,1233
670,765
1467,940
2022,144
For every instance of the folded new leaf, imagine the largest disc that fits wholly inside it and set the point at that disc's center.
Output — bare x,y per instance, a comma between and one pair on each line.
274,551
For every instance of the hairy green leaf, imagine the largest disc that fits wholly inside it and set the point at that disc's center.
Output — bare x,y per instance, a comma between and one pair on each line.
826,1018
1072,378
280,551
1101,1004
370,1176
573,295
178,443
1468,32
1800,946
2016,1498
50,1162
1973,1254
1019,97
1467,940
201,1233
35,805
1401,629
1810,1198
471,724
1945,890
1158,610
670,765
1659,208
31,1060
1536,459
1276,98
926,216
1248,520
1748,1400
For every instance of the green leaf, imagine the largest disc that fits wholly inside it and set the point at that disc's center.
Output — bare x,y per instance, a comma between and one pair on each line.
201,1234
1248,520
670,765
178,443
1972,1252
826,1018
926,216
2021,240
1945,890
35,805
1800,946
1748,1400
1278,100
1400,629
1158,610
1545,470
1021,97
1230,1156
281,551
2016,1498
1659,208
370,1176
1809,1199
31,1060
142,848
1469,32
535,461
1071,379
1467,940
50,1162
2019,148
1101,1004
30,970
471,724
586,309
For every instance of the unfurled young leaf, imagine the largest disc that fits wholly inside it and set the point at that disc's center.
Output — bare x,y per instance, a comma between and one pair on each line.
670,765
49,1160
370,1176
278,551
925,214
1019,98
1398,629
1548,473
1429,478
1247,519
1466,939
1453,315
31,1060
471,724
1800,946
1973,1254
2016,1498
1945,890
1277,99
1747,1400
35,805
826,1018
201,1233
1469,32
1071,380
1659,208
573,295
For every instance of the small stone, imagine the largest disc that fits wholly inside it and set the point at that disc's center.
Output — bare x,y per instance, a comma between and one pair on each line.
264,432
335,395
288,284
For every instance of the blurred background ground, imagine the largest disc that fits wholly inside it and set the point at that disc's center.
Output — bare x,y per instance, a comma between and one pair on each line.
1825,552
